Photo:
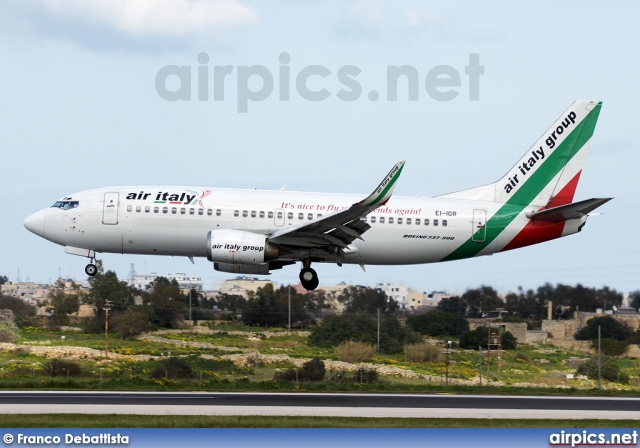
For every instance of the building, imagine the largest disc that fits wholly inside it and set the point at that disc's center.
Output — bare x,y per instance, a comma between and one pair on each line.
185,282
241,285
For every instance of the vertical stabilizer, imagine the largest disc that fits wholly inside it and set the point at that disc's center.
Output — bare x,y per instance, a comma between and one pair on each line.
548,173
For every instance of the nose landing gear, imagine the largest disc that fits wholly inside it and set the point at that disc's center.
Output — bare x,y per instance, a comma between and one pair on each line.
91,269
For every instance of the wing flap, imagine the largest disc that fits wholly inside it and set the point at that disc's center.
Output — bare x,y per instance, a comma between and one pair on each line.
569,211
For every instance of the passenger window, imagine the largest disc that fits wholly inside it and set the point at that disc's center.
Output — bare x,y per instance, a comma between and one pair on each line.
218,212
435,222
310,216
270,215
390,219
253,213
408,220
147,209
165,209
200,211
280,215
289,215
262,214
156,209
399,220
300,215
245,213
183,210
426,221
373,220
363,219
236,213
129,208
417,221
319,215
444,223
382,220
192,211
174,210
138,208
209,212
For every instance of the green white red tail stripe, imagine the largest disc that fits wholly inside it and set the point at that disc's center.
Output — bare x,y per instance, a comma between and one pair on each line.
545,176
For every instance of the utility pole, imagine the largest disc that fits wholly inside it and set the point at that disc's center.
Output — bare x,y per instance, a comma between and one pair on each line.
289,289
378,350
107,307
480,362
599,361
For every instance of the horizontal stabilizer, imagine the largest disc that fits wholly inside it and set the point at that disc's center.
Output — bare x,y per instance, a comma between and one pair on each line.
569,211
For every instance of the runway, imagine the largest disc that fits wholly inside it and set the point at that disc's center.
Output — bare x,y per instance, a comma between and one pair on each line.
308,404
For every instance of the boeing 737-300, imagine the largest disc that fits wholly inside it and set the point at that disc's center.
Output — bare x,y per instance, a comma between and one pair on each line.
256,232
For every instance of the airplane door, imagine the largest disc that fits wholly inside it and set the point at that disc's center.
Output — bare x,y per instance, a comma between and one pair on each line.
479,226
278,217
110,209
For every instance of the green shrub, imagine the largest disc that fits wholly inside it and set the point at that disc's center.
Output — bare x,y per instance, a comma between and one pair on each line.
609,370
366,376
62,367
611,347
173,368
313,370
352,351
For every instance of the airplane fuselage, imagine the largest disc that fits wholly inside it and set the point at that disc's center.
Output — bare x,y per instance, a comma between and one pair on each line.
176,221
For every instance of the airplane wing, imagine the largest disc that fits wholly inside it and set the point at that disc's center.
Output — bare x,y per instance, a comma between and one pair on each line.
340,228
569,211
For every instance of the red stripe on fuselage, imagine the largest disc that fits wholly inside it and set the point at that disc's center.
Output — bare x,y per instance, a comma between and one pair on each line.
540,231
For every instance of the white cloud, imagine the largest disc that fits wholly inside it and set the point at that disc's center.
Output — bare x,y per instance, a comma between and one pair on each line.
155,17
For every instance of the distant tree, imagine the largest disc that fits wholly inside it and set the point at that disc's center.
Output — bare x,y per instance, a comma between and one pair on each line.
526,305
106,287
453,305
438,323
23,312
610,328
8,327
3,279
362,327
359,299
231,302
634,299
132,322
63,300
479,337
166,301
482,300
270,307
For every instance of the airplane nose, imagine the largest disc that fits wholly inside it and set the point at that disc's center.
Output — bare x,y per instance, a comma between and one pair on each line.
35,223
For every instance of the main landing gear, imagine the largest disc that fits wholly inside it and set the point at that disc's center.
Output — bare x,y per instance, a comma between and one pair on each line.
91,269
308,277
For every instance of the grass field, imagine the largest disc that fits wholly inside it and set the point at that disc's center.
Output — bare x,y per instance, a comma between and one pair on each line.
196,421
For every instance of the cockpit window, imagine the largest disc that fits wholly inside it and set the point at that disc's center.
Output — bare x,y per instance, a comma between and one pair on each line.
66,205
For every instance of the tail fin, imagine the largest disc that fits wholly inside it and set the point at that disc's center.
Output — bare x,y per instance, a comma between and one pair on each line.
547,175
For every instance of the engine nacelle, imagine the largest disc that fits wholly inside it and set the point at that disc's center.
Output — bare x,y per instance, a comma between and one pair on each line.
240,247
261,269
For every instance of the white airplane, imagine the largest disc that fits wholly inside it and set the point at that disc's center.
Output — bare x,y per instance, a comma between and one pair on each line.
255,232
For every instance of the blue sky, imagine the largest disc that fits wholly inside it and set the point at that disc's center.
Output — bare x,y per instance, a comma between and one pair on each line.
79,110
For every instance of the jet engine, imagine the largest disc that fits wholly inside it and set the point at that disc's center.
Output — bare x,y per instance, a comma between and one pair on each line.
240,247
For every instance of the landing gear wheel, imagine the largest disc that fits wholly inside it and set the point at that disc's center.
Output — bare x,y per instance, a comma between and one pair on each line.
309,279
91,269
